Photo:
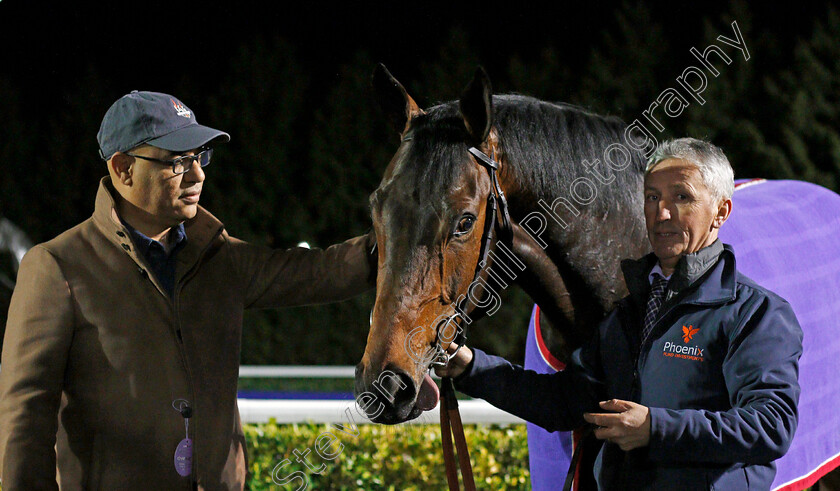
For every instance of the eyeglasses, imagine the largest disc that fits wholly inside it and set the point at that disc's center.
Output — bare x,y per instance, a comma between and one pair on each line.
183,164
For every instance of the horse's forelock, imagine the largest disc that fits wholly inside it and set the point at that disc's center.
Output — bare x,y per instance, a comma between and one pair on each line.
438,153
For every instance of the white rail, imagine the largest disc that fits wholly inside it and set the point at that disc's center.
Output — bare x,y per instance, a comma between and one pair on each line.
339,411
297,371
346,411
300,371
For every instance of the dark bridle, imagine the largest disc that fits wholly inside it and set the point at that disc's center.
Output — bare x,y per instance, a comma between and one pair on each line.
496,201
449,415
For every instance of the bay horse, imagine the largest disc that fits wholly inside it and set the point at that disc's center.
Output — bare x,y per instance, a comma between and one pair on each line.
428,214
573,186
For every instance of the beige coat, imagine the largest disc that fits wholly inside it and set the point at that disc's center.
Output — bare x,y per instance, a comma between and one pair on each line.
95,352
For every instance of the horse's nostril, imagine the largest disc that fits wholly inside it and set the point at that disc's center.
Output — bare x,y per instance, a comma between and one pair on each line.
388,398
395,386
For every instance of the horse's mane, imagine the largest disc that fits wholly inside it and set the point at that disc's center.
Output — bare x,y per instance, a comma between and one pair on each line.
545,143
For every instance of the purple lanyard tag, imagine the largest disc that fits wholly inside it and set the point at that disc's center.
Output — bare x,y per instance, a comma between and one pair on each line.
183,457
184,450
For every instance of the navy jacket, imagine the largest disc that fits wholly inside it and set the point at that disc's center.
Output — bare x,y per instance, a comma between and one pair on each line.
719,374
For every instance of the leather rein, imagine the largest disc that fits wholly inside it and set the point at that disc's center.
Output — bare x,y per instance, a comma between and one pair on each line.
450,417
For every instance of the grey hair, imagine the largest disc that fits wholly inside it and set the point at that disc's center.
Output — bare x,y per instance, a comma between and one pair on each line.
710,160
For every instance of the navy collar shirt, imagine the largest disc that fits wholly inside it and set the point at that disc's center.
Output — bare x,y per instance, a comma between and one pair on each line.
160,262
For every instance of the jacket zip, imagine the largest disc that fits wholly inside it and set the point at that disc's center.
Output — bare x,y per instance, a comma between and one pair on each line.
179,339
635,350
182,351
176,304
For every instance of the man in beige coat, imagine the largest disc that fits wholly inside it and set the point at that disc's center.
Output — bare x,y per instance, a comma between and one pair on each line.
121,353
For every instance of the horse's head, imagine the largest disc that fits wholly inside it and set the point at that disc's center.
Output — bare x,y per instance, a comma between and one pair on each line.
429,215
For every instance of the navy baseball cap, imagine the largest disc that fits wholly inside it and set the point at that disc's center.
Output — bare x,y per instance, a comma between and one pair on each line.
160,120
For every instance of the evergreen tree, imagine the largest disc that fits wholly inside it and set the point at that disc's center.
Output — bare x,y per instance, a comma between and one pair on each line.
257,191
444,77
349,147
547,77
735,114
627,71
17,160
70,166
808,94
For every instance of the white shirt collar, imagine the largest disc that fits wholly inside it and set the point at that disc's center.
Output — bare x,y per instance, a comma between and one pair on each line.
657,270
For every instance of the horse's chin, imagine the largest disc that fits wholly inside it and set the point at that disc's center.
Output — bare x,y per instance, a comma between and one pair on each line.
399,417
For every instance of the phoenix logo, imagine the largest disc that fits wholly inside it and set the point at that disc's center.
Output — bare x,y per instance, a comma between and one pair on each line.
180,109
689,332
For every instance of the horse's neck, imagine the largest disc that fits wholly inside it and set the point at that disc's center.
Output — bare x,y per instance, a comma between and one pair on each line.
589,244
576,277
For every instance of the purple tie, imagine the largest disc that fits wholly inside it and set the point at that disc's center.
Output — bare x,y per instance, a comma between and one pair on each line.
657,291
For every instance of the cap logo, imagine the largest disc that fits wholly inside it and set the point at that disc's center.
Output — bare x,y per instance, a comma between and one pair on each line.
180,109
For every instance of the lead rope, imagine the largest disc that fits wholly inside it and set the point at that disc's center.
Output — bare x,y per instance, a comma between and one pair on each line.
450,421
573,465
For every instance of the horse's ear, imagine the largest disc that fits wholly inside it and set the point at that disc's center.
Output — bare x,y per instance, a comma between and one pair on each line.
477,106
392,97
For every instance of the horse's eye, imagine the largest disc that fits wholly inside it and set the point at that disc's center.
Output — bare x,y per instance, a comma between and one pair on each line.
465,225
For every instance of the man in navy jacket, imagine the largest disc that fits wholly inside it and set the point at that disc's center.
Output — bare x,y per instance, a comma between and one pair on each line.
692,379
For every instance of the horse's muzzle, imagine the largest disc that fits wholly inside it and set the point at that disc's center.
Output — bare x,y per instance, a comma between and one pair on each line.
388,398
